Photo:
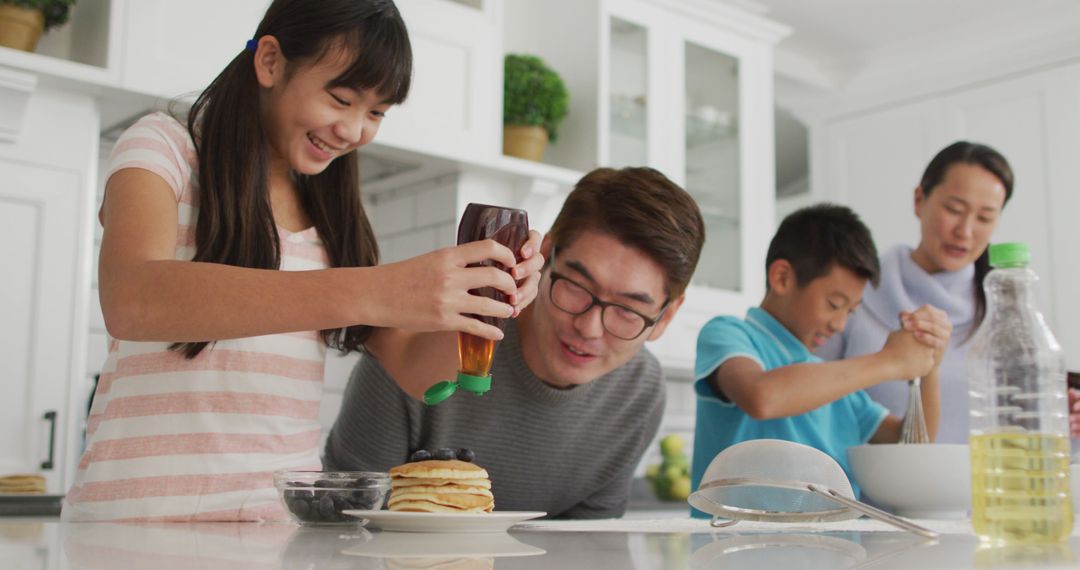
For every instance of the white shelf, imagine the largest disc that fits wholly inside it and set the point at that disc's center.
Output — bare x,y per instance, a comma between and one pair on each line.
531,169
55,70
390,168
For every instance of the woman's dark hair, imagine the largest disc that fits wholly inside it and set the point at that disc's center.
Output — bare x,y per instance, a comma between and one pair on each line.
964,152
235,222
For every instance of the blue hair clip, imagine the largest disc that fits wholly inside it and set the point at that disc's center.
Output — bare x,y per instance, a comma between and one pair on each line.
251,45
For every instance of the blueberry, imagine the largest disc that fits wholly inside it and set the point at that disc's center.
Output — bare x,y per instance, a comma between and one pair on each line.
420,455
359,483
300,507
444,454
326,508
325,483
370,501
466,455
341,503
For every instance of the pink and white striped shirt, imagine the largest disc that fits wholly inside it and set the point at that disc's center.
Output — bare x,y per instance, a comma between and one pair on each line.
172,439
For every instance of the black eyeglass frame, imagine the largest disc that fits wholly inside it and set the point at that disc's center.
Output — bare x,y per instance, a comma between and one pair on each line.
597,301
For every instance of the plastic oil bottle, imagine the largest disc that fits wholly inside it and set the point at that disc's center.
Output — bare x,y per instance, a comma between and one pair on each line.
1019,413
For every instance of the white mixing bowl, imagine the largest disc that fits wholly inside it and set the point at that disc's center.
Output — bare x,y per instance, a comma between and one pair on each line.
930,481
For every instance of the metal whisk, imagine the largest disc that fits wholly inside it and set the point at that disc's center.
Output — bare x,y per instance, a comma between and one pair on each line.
913,430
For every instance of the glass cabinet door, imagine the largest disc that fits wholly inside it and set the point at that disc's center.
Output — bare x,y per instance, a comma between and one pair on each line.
628,102
712,161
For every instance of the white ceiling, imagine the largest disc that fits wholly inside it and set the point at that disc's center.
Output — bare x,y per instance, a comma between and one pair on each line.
834,40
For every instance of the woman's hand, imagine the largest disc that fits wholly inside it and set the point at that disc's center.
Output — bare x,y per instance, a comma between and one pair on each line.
527,273
430,292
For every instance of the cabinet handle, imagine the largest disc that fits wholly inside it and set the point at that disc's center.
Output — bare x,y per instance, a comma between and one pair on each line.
50,416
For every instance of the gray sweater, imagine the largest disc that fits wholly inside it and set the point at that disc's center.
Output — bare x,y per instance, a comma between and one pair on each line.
570,453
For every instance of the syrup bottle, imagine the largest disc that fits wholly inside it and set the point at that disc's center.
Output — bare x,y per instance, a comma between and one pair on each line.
509,227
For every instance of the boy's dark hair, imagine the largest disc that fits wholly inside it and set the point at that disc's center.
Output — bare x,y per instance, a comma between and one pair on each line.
643,209
816,237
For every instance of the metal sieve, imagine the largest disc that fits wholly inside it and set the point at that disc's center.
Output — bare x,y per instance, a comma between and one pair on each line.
782,481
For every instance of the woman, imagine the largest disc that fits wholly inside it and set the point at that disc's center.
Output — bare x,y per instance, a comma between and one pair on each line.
958,202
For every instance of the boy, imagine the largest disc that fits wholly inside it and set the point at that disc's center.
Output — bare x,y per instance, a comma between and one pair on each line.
757,378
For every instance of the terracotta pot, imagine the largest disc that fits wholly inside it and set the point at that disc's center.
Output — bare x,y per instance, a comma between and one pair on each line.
20,27
524,141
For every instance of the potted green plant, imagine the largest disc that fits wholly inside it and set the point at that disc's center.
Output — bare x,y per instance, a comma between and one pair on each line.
535,102
23,21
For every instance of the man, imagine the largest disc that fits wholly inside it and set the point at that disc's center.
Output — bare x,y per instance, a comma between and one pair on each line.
575,397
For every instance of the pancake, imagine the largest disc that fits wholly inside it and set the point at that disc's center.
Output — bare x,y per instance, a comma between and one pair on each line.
461,501
442,490
429,507
437,469
400,563
438,486
22,484
421,481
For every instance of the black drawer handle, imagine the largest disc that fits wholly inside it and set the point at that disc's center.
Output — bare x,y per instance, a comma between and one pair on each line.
50,416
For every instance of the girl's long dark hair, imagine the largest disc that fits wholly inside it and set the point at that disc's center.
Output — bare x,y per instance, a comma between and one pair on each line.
235,222
963,152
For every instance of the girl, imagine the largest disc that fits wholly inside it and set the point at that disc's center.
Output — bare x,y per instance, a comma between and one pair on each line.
235,250
958,202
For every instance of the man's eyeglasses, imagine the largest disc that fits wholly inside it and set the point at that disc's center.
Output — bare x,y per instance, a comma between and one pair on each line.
618,320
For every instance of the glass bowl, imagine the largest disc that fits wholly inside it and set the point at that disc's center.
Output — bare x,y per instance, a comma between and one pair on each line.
319,497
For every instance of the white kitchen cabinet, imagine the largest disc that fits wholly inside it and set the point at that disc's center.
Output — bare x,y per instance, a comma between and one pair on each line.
453,110
45,210
684,87
172,49
873,160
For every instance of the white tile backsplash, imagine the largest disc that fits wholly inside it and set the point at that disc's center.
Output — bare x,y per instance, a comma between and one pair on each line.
437,205
393,213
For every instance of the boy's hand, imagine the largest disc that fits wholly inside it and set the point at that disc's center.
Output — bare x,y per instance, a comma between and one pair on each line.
909,356
931,327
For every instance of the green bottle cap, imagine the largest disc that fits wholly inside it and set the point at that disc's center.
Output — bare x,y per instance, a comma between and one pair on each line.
1009,254
439,392
475,384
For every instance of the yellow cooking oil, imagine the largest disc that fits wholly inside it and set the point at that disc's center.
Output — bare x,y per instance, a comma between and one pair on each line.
1020,488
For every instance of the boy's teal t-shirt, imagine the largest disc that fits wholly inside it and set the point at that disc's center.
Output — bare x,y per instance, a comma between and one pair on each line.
832,428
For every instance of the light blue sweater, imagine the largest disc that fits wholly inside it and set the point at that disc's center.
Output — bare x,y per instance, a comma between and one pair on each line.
905,287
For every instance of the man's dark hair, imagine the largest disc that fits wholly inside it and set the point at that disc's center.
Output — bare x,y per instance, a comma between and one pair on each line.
643,209
816,237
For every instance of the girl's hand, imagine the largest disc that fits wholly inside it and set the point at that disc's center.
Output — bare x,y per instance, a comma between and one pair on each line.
527,273
431,292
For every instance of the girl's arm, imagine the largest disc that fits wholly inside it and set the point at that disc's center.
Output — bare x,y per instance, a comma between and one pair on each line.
147,295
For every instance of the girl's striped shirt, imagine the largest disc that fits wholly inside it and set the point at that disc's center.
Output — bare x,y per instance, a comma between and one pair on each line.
172,439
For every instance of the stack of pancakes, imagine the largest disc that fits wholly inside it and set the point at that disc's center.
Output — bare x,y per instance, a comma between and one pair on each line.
23,484
436,486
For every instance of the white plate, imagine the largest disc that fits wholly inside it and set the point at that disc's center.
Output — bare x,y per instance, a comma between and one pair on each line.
442,545
404,521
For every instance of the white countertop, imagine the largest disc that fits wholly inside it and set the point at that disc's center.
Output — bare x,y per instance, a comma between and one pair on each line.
667,543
